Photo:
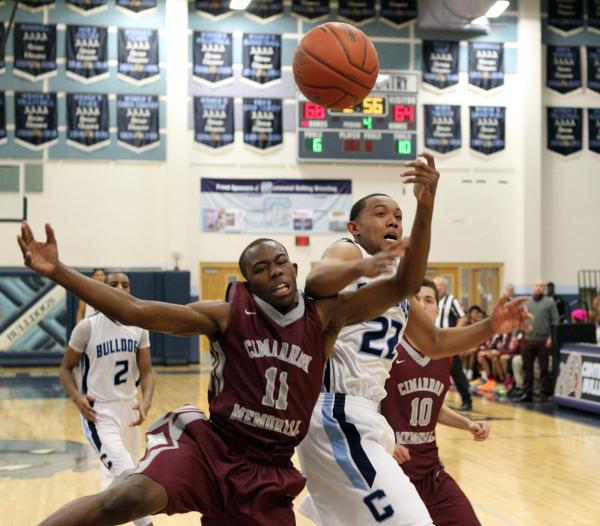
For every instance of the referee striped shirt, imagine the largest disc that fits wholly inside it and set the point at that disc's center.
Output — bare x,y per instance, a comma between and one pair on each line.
450,312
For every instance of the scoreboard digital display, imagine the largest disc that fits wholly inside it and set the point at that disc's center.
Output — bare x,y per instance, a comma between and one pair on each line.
380,129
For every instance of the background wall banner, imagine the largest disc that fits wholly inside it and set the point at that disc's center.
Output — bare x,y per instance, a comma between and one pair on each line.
87,53
440,63
213,121
87,121
442,127
565,130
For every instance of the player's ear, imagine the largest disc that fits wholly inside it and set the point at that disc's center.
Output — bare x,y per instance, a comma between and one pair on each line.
295,265
352,228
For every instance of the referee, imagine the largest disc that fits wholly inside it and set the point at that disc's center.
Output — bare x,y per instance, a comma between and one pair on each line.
452,315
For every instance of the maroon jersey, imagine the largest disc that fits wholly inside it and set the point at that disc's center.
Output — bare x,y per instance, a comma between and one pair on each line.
267,372
415,393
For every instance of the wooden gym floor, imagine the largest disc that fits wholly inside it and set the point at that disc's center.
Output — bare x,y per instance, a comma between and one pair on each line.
535,470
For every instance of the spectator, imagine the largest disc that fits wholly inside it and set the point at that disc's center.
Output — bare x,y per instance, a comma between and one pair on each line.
596,315
509,291
560,302
579,316
509,350
538,343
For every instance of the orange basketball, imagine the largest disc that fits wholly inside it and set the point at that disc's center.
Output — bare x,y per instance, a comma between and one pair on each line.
335,65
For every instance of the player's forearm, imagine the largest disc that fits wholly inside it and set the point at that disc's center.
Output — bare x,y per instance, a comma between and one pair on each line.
147,387
460,339
328,278
67,379
452,419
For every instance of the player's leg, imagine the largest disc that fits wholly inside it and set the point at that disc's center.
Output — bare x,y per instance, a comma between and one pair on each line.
124,501
447,503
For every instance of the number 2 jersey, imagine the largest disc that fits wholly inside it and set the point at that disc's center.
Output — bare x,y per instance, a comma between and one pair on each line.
267,371
108,365
363,353
416,390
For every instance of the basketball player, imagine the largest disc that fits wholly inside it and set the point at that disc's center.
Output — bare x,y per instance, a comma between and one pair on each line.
113,358
414,405
346,455
268,345
84,310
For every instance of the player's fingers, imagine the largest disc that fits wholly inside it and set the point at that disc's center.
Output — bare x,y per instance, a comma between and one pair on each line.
429,157
50,237
520,300
22,244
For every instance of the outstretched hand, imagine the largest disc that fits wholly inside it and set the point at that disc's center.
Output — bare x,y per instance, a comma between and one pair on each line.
382,262
41,257
508,316
401,453
424,177
480,430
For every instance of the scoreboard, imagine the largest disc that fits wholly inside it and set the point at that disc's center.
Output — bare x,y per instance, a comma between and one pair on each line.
380,129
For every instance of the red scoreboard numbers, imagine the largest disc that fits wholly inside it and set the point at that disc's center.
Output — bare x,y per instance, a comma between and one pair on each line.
314,111
403,113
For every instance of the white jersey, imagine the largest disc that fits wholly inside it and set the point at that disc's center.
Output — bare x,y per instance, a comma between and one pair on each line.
108,366
363,353
89,311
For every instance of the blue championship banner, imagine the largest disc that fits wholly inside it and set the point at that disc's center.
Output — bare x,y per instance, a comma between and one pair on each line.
87,53
261,57
87,7
2,118
213,57
213,121
440,64
486,65
265,9
593,15
488,124
254,206
594,129
565,16
2,51
136,7
138,55
442,128
565,130
213,8
35,51
398,12
578,382
563,68
36,122
87,121
263,122
137,122
310,9
593,68
34,6
357,11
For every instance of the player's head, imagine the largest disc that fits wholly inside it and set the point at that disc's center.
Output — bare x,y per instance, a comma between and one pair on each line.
119,280
266,266
442,285
375,222
99,274
428,297
475,314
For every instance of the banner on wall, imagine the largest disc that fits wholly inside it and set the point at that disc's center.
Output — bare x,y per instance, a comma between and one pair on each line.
565,16
136,7
36,123
34,6
442,128
213,121
2,51
486,65
398,12
578,382
213,57
254,206
440,64
593,68
138,122
2,118
488,124
593,15
261,57
265,10
35,51
87,121
565,130
310,9
563,68
594,129
213,8
87,7
138,55
87,53
263,122
357,11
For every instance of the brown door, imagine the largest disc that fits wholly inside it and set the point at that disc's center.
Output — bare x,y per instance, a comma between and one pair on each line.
450,272
214,278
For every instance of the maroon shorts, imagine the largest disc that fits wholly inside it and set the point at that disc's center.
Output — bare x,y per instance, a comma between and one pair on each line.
445,501
200,472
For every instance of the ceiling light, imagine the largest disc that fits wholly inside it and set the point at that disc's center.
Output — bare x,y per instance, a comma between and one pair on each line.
240,4
496,10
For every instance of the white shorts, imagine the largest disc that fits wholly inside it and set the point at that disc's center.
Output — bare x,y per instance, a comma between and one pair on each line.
352,477
116,443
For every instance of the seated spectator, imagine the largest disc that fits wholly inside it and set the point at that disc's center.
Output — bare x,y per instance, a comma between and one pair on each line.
469,359
579,316
509,349
596,315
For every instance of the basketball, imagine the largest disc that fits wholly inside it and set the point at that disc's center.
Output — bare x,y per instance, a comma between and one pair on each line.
335,65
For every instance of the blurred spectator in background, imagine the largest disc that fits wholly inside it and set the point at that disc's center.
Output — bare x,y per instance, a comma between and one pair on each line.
509,290
560,303
596,316
84,310
579,316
